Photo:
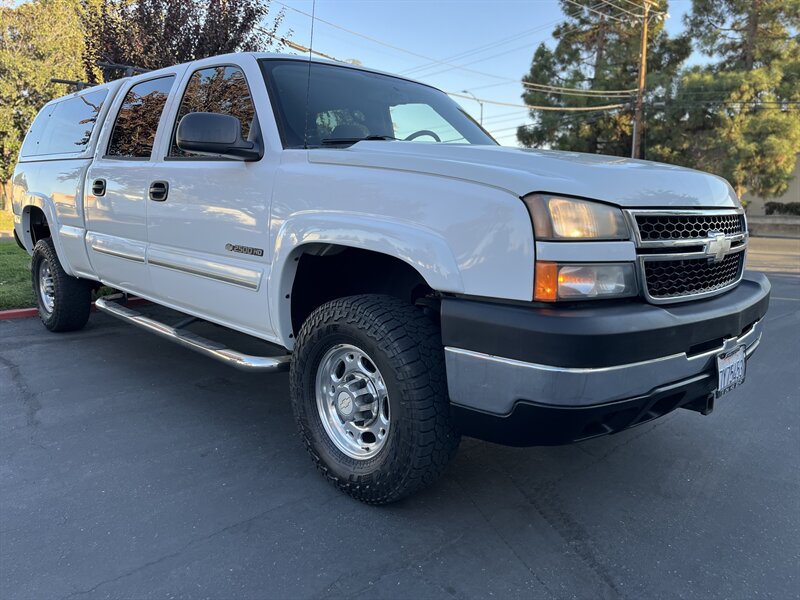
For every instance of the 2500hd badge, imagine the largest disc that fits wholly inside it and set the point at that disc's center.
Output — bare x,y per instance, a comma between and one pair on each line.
244,250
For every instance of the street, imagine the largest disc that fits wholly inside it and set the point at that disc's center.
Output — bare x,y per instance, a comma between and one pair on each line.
133,468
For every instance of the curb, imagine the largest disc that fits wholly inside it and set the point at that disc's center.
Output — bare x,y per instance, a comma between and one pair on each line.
18,313
26,313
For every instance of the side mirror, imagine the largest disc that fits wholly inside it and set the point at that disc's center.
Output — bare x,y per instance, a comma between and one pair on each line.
217,135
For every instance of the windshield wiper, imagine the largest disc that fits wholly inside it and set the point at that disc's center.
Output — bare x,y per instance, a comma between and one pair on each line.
369,138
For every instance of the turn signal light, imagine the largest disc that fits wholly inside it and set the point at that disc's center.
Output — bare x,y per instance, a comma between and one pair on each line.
572,281
546,282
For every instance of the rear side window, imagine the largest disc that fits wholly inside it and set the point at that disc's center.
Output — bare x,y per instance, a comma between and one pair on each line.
32,143
65,127
220,90
137,121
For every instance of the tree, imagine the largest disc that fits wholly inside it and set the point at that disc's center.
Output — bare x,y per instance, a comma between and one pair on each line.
597,49
740,116
158,33
66,39
39,40
745,34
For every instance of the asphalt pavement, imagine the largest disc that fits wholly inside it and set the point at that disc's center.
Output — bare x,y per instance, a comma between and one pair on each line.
133,468
777,255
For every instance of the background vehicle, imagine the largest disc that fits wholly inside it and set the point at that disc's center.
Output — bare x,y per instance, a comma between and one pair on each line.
423,281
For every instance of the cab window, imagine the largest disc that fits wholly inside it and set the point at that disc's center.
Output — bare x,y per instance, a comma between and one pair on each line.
335,106
422,121
137,121
222,90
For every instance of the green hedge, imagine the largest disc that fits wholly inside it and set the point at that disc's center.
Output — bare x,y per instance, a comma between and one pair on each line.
782,208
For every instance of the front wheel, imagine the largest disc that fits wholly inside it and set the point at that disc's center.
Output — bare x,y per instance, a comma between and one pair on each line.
64,301
369,393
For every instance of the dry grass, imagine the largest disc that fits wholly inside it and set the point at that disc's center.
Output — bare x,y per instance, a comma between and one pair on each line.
6,220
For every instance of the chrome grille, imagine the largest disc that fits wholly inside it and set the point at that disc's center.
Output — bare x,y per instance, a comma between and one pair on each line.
668,279
688,254
686,227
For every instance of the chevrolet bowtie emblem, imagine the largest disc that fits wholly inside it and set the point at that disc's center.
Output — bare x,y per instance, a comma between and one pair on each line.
717,246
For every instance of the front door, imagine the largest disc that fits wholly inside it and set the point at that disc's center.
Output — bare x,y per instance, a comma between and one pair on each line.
208,237
118,185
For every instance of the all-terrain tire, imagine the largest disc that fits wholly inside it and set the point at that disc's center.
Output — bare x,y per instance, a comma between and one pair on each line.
406,348
71,297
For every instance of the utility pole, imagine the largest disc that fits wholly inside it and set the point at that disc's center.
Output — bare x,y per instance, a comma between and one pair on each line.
637,115
478,100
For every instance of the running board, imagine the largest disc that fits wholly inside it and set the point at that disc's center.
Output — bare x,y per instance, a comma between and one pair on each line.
217,351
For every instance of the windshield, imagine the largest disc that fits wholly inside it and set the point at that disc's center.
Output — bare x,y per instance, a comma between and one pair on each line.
346,105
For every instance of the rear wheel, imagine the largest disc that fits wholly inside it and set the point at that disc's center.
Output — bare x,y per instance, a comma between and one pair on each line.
64,301
369,392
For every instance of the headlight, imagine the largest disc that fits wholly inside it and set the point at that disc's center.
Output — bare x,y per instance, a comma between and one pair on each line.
556,218
581,282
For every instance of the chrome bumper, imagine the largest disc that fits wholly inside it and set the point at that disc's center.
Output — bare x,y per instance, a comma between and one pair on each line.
494,384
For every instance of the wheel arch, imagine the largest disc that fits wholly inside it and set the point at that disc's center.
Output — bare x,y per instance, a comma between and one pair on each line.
39,221
406,255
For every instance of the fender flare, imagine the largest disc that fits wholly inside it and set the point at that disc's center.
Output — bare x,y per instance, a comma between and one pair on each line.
424,250
46,205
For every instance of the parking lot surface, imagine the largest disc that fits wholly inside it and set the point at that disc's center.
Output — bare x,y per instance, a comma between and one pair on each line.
133,468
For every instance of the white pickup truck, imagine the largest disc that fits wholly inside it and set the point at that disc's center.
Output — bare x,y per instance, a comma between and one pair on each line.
422,281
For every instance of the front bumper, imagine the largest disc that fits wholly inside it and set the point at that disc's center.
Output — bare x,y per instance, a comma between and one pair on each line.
525,376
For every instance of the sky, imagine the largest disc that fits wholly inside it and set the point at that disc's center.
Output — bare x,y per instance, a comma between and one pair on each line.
500,36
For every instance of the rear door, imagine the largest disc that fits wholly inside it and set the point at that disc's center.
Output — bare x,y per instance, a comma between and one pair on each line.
208,236
118,184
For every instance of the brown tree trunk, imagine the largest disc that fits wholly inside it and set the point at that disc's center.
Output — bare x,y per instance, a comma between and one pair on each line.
5,195
752,32
599,57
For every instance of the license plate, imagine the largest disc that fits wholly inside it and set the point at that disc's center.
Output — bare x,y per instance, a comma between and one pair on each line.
731,367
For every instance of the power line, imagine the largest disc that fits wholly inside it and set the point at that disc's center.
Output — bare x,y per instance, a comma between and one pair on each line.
551,89
494,120
554,89
464,66
777,105
637,5
441,62
595,11
490,46
562,122
356,33
719,92
624,10
533,107
600,92
459,95
500,43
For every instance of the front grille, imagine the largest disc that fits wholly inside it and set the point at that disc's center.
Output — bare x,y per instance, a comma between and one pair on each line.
654,228
673,279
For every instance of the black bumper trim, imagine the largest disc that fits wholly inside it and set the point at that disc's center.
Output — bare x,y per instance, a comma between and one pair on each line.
601,336
532,424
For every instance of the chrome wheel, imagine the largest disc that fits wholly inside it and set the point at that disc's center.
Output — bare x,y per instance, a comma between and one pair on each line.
352,401
47,290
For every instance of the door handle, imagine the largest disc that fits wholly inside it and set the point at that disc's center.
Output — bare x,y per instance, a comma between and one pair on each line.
99,187
159,191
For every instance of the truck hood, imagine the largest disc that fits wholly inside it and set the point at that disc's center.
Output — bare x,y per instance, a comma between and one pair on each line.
623,181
